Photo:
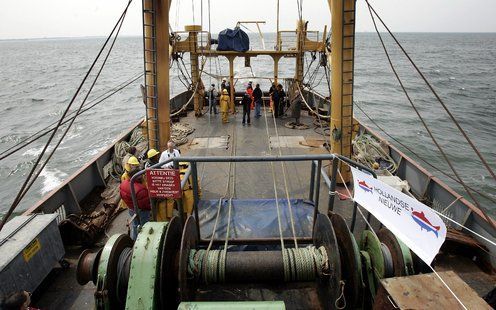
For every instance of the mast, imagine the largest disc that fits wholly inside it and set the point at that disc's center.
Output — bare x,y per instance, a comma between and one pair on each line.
341,59
156,66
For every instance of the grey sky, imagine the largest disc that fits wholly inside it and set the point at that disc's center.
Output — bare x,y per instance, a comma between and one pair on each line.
68,18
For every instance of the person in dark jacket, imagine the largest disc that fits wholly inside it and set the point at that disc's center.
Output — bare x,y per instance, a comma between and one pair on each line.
142,199
246,102
271,96
257,97
280,100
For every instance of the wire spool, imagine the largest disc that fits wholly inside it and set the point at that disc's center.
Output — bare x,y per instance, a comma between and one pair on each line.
189,241
318,262
87,267
123,268
327,284
401,256
168,280
371,244
388,261
369,280
106,286
351,265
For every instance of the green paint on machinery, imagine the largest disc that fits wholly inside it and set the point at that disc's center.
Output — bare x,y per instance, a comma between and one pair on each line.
237,305
142,292
106,284
371,244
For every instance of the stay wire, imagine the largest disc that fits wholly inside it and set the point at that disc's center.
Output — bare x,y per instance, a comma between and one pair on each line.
371,229
452,117
420,157
16,201
46,130
78,111
29,180
448,161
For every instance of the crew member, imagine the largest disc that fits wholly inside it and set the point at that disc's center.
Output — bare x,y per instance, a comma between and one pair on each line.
142,200
153,157
296,107
132,166
212,96
131,151
279,103
257,97
223,84
19,300
170,152
224,105
246,102
271,96
249,90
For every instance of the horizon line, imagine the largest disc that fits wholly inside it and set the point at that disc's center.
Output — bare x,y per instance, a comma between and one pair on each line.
139,35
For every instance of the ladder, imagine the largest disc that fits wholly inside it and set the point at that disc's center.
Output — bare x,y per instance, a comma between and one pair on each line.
347,68
150,67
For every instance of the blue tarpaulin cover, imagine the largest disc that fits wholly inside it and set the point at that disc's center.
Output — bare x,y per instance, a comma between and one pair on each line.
233,40
256,218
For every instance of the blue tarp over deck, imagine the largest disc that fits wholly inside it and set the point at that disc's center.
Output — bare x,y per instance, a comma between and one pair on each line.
256,218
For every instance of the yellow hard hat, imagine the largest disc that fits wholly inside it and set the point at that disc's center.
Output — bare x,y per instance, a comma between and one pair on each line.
151,153
224,91
133,161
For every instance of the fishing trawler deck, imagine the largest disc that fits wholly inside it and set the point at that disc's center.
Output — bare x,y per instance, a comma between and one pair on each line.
252,180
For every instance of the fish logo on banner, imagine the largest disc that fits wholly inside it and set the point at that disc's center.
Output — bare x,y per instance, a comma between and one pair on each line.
364,186
414,223
419,218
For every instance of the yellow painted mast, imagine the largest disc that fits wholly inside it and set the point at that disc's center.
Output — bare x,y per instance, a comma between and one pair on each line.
341,59
156,55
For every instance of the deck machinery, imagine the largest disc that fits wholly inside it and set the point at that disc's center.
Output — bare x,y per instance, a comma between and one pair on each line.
177,263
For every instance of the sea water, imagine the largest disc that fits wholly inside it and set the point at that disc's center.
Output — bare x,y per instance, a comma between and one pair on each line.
39,77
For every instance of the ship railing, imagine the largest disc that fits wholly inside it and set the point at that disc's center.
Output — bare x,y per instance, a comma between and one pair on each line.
316,174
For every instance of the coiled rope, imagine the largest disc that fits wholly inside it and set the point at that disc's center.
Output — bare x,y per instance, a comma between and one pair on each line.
367,150
300,265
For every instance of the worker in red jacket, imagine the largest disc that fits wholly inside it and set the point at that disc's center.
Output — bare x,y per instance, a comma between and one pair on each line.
142,199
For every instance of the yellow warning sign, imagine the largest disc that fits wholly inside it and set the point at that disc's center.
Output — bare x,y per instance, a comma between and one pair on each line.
31,249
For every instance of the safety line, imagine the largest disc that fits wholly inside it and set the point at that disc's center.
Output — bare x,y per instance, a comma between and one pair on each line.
488,168
420,157
284,254
283,167
25,187
370,226
445,156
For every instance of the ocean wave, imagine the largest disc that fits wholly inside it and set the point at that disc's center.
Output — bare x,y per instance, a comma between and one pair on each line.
51,179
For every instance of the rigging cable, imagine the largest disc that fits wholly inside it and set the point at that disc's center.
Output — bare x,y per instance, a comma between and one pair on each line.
373,231
371,9
43,132
488,219
420,157
25,187
284,254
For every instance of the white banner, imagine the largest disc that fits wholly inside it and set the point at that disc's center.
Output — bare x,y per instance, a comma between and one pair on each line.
414,223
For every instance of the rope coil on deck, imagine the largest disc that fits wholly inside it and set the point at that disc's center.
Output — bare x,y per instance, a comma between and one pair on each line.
300,264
